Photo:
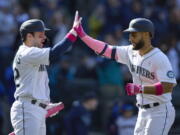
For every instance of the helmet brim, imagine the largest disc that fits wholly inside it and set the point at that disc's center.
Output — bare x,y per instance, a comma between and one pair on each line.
130,30
46,29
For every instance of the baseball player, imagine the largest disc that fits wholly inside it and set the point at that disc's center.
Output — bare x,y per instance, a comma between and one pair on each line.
153,78
32,100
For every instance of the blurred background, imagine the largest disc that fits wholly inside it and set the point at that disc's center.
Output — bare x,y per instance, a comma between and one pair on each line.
80,74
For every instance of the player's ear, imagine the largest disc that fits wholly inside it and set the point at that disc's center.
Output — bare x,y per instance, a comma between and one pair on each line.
146,35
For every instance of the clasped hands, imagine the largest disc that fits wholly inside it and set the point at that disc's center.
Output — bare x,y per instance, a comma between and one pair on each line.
77,28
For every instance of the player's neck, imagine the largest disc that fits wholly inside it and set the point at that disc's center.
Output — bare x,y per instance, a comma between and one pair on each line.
146,49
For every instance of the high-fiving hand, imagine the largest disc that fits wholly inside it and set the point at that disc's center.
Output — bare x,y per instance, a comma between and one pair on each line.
76,23
77,26
77,20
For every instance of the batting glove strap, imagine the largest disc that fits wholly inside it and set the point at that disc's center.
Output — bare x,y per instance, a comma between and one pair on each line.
72,31
72,35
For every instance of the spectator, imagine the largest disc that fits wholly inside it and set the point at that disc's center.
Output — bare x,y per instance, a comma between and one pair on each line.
113,13
1,121
58,22
173,55
34,13
7,28
126,122
78,119
59,76
97,20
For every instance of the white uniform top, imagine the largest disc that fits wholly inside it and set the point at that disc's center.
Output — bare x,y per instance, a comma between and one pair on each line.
30,72
148,69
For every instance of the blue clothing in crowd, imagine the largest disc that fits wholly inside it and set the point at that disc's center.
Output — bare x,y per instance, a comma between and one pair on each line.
78,120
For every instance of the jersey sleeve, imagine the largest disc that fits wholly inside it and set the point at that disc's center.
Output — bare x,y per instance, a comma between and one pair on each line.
163,69
122,54
37,56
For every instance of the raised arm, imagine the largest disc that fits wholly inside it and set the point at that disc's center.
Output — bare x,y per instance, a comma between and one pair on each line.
99,47
61,47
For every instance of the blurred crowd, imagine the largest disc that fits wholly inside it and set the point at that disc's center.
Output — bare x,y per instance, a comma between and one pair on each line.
80,70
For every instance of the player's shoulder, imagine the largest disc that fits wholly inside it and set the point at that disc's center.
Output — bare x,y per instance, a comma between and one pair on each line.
159,56
23,49
158,53
28,51
24,53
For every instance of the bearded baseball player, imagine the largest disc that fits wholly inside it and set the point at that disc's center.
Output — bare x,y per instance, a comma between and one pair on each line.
32,102
153,78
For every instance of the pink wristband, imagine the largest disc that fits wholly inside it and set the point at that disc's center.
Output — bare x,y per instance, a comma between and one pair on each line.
71,37
159,88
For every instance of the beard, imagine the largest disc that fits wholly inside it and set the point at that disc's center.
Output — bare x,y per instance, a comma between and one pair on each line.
138,45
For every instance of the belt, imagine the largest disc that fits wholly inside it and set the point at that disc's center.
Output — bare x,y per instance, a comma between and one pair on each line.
148,105
34,101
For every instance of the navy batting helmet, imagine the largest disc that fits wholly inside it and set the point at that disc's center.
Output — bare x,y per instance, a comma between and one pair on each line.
32,25
141,25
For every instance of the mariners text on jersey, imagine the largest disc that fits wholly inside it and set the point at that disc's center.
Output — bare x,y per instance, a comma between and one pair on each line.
142,71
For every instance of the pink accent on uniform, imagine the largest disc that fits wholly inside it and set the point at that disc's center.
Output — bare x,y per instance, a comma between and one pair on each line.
159,88
133,89
71,37
80,31
54,110
12,133
94,44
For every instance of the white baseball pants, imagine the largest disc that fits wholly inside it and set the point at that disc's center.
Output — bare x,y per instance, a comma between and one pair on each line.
27,118
156,120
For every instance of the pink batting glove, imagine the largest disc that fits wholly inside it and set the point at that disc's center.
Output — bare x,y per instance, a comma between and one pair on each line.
80,31
133,89
12,133
53,109
78,27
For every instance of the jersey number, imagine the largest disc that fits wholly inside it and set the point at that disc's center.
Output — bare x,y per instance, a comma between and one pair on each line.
16,77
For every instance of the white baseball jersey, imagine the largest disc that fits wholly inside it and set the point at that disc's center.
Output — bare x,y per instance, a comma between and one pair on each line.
148,69
30,72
